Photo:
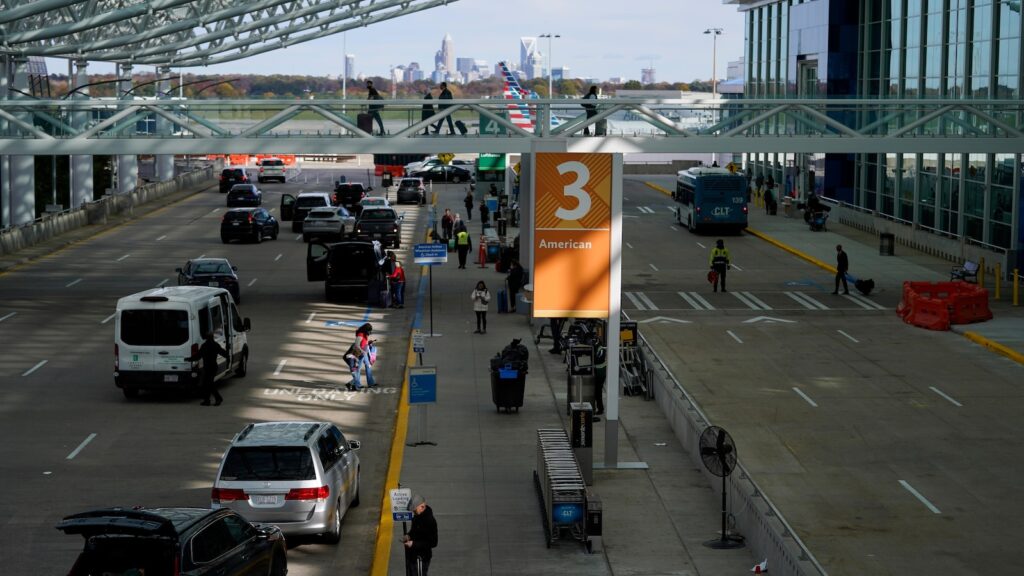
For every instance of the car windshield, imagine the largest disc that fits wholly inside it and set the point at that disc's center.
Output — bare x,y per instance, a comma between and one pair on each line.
378,215
211,268
268,463
310,201
242,190
154,327
272,163
373,201
238,215
410,183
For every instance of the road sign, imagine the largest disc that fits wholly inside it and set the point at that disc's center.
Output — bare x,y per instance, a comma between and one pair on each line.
400,498
422,385
432,253
446,157
418,342
490,127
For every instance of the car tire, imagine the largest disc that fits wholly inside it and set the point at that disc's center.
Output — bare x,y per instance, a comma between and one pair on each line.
258,236
397,243
355,500
279,565
224,239
274,235
305,238
130,393
243,365
333,536
456,179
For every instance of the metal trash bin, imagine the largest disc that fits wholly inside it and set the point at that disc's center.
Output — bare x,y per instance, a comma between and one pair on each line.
886,244
508,386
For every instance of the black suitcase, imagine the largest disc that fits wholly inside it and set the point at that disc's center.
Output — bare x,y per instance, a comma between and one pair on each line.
365,122
461,127
601,128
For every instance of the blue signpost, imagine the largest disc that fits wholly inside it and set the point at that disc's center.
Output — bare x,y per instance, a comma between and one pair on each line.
430,254
422,391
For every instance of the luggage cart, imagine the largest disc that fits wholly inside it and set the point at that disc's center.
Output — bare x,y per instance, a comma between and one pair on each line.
560,487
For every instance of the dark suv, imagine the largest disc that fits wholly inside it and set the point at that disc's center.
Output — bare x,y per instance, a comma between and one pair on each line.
248,224
174,542
348,194
352,265
231,176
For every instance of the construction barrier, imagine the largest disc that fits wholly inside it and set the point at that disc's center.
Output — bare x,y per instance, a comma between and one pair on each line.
937,305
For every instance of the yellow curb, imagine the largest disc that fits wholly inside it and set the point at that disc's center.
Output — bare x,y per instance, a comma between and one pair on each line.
791,250
995,347
659,188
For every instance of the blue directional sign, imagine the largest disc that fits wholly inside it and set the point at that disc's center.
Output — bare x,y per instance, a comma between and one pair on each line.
422,385
430,253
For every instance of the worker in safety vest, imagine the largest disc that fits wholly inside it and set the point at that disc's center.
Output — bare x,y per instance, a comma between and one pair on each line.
719,262
462,244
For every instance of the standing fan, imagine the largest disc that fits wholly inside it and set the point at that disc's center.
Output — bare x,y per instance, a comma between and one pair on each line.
718,453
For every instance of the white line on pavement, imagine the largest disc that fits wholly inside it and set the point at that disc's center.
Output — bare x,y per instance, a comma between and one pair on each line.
654,267
946,396
671,209
162,282
864,302
5,317
123,257
280,367
734,336
630,246
918,495
299,237
80,446
34,368
214,210
311,316
251,282
278,257
626,199
636,302
161,238
647,301
736,267
852,339
674,229
703,247
72,283
757,301
108,318
805,397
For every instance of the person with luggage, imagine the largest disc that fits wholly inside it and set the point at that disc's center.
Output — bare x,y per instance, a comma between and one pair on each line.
516,278
590,108
352,357
468,203
397,279
208,353
374,109
446,94
770,205
481,298
421,538
462,245
447,223
842,266
719,261
485,216
360,357
428,110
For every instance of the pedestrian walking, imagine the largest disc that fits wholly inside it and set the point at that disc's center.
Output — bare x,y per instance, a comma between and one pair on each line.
719,262
458,224
208,353
468,203
421,539
556,325
397,278
590,108
462,244
428,110
374,109
516,279
842,266
485,216
446,94
481,298
447,223
367,348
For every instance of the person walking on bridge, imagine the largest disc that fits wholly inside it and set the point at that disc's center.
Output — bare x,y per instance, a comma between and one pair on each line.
446,94
842,265
719,261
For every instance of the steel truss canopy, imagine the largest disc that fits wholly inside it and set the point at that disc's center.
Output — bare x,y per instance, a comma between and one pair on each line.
182,33
330,126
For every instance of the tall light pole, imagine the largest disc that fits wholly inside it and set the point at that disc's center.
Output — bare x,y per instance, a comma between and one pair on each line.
714,57
551,72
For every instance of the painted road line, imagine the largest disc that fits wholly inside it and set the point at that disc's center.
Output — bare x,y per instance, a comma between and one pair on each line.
108,318
757,300
918,495
671,209
34,368
946,396
994,346
736,267
214,210
628,245
702,247
72,283
753,302
696,300
636,302
251,282
864,302
661,189
653,267
162,282
852,339
84,443
647,301
280,366
807,301
645,209
805,396
122,257
161,238
800,300
278,257
6,316
674,229
311,316
299,237
734,336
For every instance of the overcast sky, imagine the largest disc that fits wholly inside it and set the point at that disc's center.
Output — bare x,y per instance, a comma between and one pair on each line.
599,39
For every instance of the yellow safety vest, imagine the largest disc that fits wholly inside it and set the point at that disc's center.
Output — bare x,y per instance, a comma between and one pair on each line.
719,254
462,238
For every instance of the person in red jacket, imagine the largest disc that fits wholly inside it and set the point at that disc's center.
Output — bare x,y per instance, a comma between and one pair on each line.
397,278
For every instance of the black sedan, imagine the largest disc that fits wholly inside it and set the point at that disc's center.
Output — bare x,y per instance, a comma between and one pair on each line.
442,173
244,195
216,272
253,224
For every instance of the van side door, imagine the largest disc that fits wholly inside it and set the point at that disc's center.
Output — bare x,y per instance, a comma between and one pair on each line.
317,254
287,206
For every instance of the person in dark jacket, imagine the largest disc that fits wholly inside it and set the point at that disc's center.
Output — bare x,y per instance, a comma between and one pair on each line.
720,262
485,216
428,110
446,94
590,108
468,203
842,265
208,353
421,539
374,109
516,279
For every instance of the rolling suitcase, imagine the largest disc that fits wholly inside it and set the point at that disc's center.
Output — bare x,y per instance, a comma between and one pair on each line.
601,128
461,127
365,122
502,301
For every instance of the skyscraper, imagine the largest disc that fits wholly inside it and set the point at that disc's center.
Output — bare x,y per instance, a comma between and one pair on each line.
527,48
647,75
350,66
448,53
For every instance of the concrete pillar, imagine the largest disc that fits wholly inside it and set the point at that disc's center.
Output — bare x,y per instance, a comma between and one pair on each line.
127,164
82,185
164,162
5,164
17,173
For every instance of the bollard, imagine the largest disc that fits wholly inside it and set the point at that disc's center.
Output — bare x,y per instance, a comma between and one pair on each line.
1016,287
981,272
998,279
482,253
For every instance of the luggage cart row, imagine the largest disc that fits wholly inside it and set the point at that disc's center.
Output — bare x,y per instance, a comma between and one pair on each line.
560,487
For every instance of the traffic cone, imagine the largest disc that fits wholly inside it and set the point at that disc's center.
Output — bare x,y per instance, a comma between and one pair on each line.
482,253
761,567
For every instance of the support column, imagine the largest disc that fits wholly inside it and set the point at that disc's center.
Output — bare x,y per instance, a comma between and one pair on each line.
18,172
127,164
82,185
164,162
5,160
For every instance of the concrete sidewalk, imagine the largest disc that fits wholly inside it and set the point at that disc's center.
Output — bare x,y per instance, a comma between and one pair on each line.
479,477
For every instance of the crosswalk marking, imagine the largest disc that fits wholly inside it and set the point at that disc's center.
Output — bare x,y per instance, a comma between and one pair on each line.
806,301
864,302
647,301
696,301
636,302
645,209
640,301
752,302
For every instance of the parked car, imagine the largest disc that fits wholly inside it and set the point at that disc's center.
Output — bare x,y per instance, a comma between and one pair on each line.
442,173
216,272
248,224
372,202
300,476
411,190
333,222
231,176
383,224
352,265
296,208
244,195
271,169
175,542
350,193
420,165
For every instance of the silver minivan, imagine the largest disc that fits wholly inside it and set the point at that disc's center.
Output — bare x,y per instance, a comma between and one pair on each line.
299,476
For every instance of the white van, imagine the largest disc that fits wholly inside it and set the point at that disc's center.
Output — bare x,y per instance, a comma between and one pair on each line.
158,330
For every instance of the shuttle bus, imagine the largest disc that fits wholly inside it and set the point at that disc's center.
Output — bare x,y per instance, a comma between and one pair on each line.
711,199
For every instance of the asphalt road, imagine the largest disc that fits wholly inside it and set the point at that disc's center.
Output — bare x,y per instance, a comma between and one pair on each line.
72,442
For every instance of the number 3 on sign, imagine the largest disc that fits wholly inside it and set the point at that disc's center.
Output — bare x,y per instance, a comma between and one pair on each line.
575,190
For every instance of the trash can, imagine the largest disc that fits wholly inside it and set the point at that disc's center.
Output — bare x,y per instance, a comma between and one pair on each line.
508,384
886,244
595,520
